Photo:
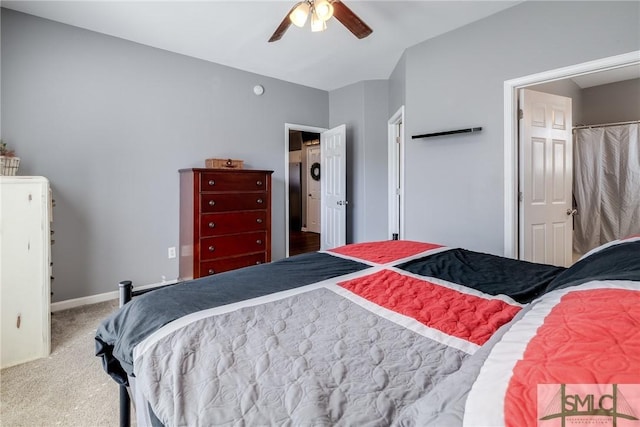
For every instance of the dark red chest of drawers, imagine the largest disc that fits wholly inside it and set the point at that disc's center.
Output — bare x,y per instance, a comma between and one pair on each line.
225,220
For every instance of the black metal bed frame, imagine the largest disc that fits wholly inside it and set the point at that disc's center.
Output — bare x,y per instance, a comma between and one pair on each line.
127,293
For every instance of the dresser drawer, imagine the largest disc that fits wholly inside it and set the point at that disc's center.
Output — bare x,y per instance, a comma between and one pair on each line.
226,264
212,181
217,224
234,244
219,202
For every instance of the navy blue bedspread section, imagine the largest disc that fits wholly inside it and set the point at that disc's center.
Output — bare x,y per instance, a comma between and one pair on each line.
617,262
122,331
523,281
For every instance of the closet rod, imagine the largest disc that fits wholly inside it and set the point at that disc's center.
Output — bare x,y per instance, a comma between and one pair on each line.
606,124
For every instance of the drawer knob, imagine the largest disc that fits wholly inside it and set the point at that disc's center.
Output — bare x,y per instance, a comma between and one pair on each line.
259,241
211,248
212,182
259,201
212,225
212,202
258,183
259,220
211,271
258,262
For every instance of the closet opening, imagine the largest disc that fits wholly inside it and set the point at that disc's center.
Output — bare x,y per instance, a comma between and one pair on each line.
603,92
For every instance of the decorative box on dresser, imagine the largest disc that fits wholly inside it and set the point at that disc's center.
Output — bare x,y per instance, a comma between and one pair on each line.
25,269
225,220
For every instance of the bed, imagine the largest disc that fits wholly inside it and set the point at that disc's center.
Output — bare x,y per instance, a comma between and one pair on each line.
386,333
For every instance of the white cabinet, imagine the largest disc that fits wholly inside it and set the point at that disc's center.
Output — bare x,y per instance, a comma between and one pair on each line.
25,272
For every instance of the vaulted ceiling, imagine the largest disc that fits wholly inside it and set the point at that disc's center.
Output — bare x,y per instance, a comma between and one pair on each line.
235,33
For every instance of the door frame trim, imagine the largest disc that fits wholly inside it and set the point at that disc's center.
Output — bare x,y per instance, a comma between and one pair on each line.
511,172
287,128
397,118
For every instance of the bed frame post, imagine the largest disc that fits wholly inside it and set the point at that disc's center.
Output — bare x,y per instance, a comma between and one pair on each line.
125,407
126,290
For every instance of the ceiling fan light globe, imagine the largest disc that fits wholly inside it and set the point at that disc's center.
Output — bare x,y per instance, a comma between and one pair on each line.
323,9
299,15
317,24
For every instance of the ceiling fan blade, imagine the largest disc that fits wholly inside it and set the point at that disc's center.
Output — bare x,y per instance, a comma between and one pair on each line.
282,28
350,20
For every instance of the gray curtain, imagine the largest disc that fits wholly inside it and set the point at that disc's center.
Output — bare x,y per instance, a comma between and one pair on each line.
606,185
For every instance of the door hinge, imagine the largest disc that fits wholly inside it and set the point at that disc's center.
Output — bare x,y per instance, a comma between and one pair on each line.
520,113
397,140
519,196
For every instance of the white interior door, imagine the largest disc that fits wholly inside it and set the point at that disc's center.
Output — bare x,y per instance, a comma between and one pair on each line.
333,221
313,191
546,178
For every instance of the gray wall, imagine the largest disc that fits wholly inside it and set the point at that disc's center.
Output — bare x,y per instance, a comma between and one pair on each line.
454,185
363,107
398,85
375,215
110,122
611,103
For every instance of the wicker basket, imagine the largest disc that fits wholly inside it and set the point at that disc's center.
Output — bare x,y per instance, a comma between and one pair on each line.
223,163
9,165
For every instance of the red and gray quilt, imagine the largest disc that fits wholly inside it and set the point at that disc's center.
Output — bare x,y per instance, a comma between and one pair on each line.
381,333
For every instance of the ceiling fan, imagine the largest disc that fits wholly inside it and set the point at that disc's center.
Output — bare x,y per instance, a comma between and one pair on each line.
321,11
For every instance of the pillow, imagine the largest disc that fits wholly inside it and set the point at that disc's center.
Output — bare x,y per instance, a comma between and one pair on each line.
616,260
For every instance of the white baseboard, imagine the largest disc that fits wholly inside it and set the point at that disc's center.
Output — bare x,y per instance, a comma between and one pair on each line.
94,299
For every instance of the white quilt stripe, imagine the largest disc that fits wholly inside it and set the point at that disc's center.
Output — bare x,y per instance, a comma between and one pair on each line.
485,403
457,287
420,255
394,262
350,258
406,321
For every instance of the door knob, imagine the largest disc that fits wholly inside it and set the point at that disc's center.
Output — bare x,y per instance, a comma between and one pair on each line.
571,212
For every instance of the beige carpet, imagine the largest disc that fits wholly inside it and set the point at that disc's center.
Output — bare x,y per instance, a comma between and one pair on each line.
69,388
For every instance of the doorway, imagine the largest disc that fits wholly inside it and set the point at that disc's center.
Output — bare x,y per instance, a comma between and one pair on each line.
303,195
396,175
511,140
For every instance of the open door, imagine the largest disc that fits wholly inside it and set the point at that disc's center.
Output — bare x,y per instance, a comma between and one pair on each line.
546,178
333,180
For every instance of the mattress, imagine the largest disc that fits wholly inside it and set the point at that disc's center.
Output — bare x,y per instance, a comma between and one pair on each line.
377,333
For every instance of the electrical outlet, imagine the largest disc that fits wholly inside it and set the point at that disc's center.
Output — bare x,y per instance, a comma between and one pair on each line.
172,252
